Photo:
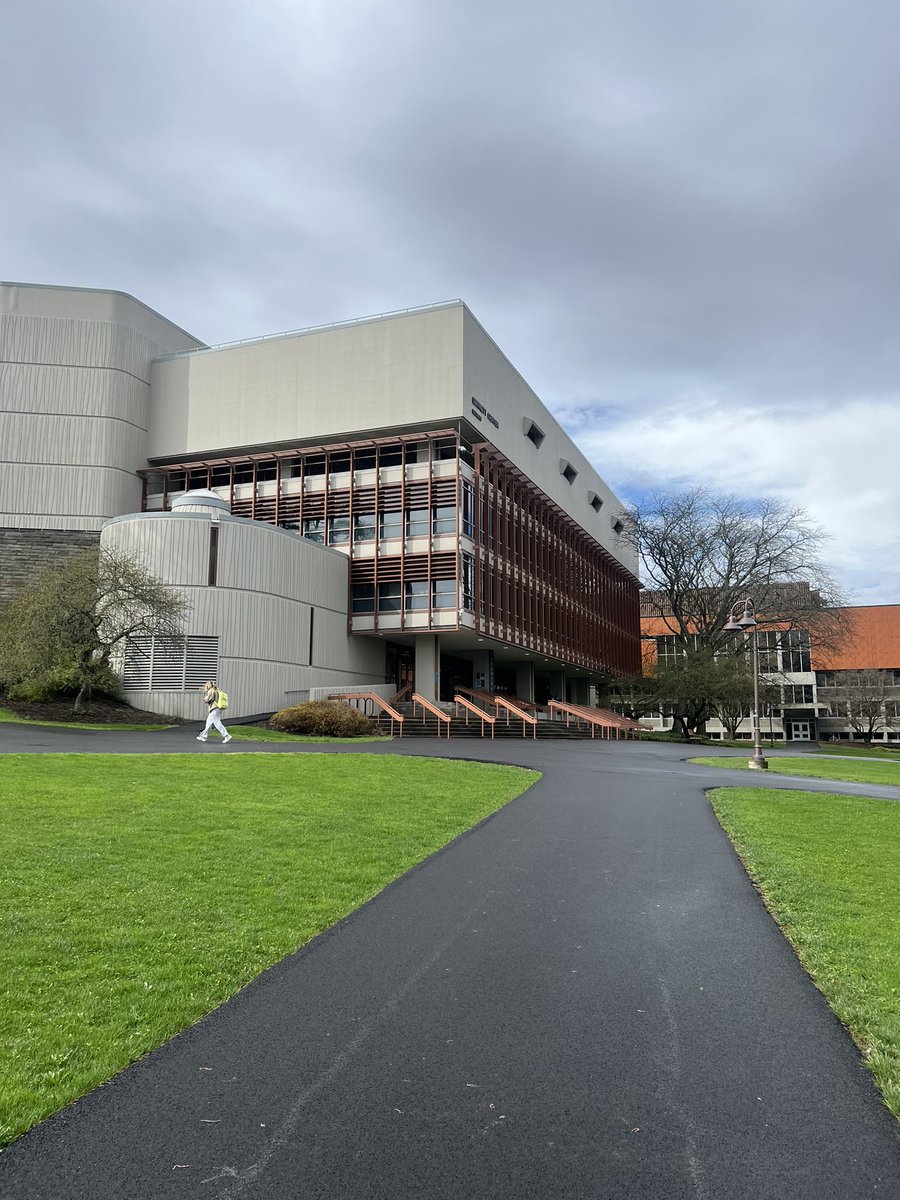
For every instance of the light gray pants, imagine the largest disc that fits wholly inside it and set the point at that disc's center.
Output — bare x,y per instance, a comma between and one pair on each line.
214,719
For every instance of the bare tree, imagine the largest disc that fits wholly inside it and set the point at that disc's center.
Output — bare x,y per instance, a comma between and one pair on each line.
865,698
703,553
75,615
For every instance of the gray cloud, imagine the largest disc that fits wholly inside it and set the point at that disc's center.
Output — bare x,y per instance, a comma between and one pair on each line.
652,207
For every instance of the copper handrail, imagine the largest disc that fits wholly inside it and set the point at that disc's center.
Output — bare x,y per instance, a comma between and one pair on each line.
469,707
402,694
518,713
598,718
433,709
378,702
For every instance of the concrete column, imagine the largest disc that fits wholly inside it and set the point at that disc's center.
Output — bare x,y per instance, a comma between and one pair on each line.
428,666
525,680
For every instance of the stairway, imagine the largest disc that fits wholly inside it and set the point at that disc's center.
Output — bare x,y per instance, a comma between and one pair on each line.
419,724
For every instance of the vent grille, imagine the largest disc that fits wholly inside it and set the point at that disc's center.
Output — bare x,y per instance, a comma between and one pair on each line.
169,664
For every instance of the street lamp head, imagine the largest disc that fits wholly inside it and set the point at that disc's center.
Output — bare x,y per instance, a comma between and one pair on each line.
732,626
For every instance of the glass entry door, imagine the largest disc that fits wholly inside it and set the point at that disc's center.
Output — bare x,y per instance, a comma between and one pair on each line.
800,731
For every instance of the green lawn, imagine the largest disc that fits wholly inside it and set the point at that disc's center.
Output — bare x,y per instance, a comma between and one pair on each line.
829,869
813,767
861,752
8,717
138,893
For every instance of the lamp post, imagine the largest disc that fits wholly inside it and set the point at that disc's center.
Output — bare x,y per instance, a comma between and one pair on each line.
747,623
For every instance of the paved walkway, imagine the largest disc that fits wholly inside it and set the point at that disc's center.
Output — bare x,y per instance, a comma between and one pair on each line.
583,997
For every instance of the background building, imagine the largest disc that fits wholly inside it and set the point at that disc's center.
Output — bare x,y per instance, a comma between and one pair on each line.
478,546
810,693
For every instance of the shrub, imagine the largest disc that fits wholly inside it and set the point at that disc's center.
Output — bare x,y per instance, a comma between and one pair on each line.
59,683
322,718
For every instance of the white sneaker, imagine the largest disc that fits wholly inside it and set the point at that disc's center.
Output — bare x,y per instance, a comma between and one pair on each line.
201,738
226,738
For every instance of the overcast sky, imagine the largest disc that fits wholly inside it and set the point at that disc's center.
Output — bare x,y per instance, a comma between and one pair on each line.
681,221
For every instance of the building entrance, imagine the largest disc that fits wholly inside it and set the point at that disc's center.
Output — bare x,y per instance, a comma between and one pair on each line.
455,672
399,665
801,731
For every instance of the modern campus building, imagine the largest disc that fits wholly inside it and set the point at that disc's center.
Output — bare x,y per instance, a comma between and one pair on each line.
369,504
810,694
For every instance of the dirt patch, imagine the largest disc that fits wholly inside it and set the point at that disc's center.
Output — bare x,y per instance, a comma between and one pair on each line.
100,712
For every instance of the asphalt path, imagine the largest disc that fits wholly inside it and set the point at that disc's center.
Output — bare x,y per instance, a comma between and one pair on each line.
582,997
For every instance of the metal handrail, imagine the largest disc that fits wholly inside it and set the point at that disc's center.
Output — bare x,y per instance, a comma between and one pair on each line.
488,698
597,718
518,713
373,698
469,707
433,709
402,694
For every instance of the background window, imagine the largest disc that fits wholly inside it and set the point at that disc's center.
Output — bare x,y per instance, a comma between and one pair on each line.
444,519
390,524
416,594
443,593
338,529
362,597
314,529
389,597
364,527
417,524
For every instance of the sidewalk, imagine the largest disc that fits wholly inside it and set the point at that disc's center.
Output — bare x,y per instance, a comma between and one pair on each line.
582,998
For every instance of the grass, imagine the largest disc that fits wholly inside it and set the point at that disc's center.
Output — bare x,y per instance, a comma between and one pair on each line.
859,771
8,717
828,867
881,752
138,893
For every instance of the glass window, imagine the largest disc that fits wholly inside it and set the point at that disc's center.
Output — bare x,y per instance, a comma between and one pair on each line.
339,461
199,478
416,594
314,529
443,593
390,456
243,473
221,477
390,524
389,597
444,519
445,448
315,464
266,470
417,522
363,597
338,529
468,582
364,460
468,509
364,527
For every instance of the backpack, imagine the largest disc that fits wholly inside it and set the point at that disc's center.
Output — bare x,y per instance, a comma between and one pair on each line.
222,701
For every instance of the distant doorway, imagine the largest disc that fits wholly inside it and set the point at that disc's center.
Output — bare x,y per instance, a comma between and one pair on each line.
455,672
801,731
399,665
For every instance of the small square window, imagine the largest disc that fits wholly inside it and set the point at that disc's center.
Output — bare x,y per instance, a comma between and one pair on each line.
567,471
534,433
594,501
618,527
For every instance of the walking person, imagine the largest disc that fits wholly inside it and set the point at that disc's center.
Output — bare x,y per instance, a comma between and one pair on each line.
215,700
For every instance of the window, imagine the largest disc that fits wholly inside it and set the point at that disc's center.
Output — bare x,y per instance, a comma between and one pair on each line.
266,470
390,456
314,529
417,524
467,579
444,448
468,508
443,519
338,529
534,433
243,473
315,464
389,597
364,527
798,693
199,478
169,664
594,501
567,471
443,593
825,679
416,595
362,598
220,477
390,525
364,460
617,527
339,462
